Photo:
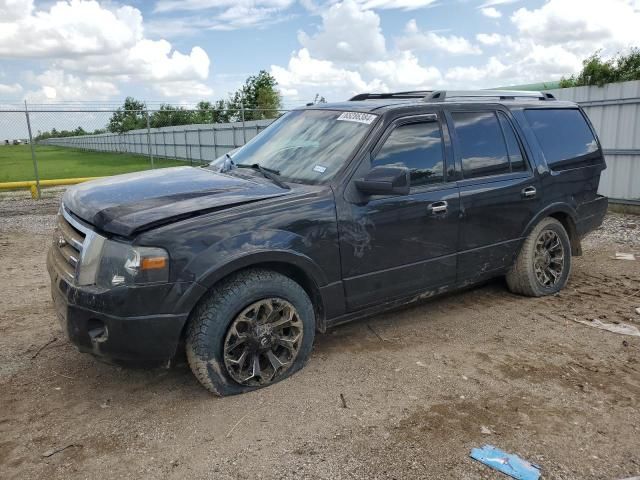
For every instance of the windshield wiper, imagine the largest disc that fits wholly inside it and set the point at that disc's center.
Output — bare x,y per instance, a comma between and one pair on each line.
270,173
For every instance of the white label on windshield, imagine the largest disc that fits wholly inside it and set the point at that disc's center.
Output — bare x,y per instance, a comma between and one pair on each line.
358,117
319,169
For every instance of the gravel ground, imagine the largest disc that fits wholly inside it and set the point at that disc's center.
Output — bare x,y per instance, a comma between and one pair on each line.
20,213
422,386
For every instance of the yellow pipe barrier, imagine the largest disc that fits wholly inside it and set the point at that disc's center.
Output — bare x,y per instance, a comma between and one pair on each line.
31,184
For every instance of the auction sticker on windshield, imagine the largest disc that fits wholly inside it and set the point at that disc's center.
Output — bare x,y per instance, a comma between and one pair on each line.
358,117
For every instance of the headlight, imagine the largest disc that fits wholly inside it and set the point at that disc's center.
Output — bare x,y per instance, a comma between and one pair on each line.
124,264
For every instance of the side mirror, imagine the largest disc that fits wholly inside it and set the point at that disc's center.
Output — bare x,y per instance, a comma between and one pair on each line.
385,181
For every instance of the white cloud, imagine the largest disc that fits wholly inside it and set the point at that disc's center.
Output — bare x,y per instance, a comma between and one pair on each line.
490,39
305,71
348,34
314,6
70,28
475,76
181,5
241,16
183,89
158,61
493,3
581,26
551,42
415,39
402,4
13,89
88,49
403,71
524,63
491,12
228,14
58,85
11,10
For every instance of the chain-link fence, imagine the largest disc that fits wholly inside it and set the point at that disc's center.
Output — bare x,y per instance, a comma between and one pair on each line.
197,143
40,143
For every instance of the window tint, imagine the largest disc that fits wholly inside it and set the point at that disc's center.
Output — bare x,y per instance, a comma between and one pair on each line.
513,147
482,144
417,146
563,134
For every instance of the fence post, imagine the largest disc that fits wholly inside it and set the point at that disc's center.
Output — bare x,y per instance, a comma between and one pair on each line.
186,152
33,153
215,142
149,137
244,129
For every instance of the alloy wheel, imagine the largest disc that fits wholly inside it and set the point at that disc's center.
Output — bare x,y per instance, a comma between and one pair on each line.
548,259
262,342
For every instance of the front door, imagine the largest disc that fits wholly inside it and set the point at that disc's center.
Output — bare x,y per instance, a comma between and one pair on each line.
396,246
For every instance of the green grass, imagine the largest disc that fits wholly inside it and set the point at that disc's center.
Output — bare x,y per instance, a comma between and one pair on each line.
59,162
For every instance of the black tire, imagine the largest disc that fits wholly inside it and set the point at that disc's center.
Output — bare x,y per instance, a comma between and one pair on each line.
524,276
211,321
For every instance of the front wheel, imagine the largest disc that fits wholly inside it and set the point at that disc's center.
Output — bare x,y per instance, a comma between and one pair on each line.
543,265
254,329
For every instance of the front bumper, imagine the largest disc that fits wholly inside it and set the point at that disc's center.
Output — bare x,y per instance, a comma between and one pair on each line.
123,324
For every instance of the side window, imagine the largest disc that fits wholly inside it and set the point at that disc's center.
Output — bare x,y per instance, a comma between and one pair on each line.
513,147
563,134
482,144
417,146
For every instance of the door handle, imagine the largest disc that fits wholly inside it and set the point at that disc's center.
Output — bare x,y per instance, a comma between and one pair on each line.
438,207
528,192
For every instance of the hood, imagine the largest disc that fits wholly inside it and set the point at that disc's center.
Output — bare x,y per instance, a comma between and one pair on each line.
126,204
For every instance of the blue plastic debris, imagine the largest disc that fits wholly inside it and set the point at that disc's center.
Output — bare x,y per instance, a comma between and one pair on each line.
506,463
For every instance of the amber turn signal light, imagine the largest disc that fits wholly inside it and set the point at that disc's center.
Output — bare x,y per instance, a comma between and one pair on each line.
153,263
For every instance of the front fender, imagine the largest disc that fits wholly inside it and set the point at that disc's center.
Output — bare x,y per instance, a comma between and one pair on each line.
247,249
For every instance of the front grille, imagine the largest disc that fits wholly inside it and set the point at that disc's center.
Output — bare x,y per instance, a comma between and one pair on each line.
68,244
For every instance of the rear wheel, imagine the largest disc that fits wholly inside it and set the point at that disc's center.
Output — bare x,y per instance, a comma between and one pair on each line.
543,265
253,330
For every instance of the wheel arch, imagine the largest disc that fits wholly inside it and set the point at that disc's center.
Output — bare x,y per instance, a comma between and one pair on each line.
295,266
567,216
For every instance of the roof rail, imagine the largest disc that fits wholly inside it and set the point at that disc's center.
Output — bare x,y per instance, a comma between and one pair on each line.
408,94
443,95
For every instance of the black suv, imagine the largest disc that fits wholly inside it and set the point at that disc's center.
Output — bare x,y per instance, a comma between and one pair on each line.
334,212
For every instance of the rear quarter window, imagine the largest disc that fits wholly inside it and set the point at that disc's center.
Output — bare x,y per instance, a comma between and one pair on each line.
564,136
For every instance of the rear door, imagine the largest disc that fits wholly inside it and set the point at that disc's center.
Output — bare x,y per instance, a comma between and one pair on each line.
394,246
499,191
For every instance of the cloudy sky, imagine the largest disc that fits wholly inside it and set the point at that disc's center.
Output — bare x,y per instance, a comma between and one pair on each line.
187,50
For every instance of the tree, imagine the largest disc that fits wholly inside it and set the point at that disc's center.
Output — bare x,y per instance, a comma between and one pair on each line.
597,71
168,116
130,116
258,96
207,112
257,99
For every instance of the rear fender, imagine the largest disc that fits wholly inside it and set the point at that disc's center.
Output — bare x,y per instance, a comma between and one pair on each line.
567,215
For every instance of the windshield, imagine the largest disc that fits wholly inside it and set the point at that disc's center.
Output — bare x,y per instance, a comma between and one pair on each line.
306,146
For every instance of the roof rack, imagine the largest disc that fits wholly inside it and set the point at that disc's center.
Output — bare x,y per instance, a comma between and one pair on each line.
443,95
408,94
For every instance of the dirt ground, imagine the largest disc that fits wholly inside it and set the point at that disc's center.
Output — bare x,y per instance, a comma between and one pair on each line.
421,386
